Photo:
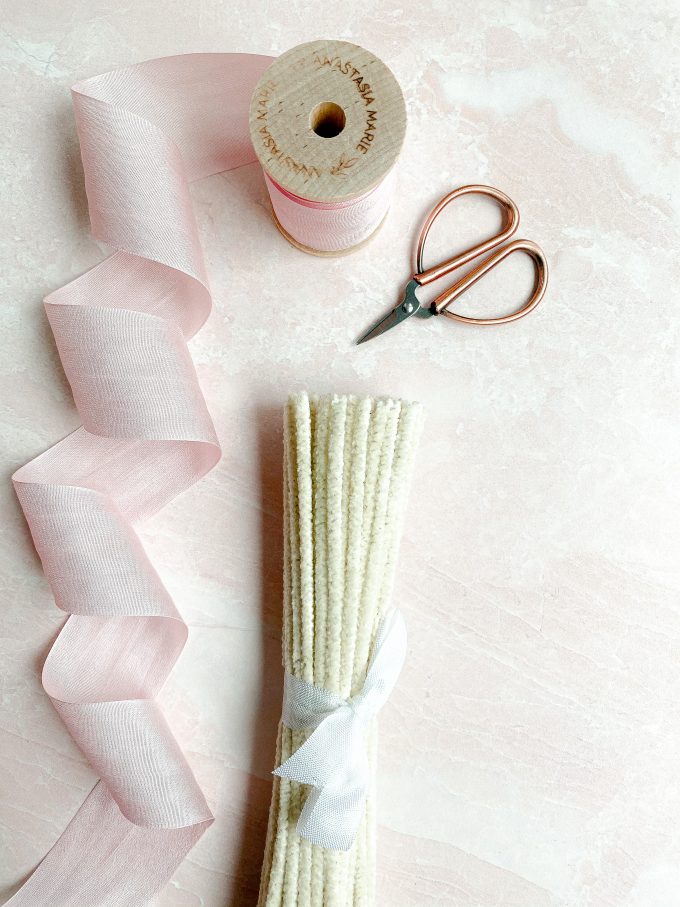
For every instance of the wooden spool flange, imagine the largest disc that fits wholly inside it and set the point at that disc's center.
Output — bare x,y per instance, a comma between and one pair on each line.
327,120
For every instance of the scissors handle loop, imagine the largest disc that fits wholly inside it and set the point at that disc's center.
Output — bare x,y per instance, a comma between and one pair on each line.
510,224
441,303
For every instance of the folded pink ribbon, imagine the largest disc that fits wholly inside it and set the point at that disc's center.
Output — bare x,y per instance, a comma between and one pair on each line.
146,131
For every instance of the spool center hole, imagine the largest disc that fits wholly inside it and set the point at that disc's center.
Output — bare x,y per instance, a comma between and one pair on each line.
327,119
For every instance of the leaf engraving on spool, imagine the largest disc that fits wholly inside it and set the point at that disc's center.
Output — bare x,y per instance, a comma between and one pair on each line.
343,164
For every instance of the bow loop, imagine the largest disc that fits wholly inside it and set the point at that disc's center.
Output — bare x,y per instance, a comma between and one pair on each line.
334,758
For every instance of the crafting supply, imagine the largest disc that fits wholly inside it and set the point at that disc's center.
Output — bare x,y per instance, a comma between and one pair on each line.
411,306
121,330
146,132
334,758
347,468
327,122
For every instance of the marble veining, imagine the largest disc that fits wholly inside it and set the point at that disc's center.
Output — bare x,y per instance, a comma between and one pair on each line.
529,756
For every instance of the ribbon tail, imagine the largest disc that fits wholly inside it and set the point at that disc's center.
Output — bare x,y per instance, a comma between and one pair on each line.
331,815
323,753
334,762
297,769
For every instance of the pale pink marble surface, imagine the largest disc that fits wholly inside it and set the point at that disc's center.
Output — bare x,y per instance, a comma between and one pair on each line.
531,753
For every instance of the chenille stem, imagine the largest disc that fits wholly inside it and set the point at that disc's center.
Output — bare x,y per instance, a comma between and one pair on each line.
347,471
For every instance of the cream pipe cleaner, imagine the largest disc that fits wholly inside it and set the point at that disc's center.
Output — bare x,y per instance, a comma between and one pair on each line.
359,452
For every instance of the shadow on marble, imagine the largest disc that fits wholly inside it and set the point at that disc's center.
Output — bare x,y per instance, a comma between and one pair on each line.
250,851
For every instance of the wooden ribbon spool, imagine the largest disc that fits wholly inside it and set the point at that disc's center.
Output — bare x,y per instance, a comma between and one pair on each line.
327,122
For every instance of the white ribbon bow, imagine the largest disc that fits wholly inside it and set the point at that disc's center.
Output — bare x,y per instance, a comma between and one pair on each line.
334,759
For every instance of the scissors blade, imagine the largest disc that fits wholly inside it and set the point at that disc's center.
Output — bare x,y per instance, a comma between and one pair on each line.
389,321
407,307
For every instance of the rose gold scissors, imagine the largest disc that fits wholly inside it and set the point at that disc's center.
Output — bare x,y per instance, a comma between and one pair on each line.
411,305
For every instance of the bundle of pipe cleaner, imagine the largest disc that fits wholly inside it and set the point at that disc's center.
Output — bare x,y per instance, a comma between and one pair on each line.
347,464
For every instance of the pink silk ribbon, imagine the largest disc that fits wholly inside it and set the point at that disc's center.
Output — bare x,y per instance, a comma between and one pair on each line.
331,226
146,132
